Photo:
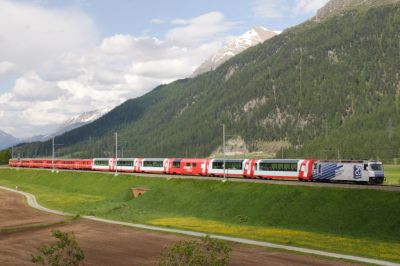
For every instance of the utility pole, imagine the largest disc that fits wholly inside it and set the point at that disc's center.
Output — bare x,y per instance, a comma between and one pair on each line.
116,153
223,148
53,153
162,146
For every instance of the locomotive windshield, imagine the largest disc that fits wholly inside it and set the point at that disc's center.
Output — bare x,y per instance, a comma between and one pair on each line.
376,167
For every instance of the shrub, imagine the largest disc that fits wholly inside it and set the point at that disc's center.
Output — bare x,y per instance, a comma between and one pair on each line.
208,251
65,252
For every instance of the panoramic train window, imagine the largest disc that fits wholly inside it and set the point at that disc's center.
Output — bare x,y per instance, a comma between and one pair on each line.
285,167
228,165
101,162
153,163
218,165
124,163
234,165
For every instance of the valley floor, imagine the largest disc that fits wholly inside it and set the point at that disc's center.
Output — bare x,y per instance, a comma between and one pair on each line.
23,229
358,222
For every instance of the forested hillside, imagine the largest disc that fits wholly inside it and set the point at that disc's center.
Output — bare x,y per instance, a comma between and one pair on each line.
330,88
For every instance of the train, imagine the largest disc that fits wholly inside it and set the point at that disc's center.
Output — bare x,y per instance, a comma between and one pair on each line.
363,171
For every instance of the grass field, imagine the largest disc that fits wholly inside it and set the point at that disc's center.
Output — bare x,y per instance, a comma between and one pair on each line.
392,173
359,222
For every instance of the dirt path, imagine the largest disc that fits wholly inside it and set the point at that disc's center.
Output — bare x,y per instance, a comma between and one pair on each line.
107,244
15,212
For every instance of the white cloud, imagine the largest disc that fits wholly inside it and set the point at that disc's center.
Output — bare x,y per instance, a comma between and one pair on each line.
180,22
139,47
118,44
269,9
157,21
199,29
69,73
308,6
276,9
32,34
6,67
32,88
166,68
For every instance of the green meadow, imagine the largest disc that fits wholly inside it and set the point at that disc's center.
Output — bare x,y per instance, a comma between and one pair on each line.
352,221
392,174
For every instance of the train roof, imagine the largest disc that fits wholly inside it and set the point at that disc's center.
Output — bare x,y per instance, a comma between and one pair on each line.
349,161
280,160
229,160
154,159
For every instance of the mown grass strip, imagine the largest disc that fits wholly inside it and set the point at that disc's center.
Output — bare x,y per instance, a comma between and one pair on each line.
26,227
302,214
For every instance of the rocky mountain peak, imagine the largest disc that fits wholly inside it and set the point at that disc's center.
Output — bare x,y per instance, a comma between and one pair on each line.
71,123
250,38
80,120
86,117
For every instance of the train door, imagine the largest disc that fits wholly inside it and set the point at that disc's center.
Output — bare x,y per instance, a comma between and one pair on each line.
248,168
303,170
196,167
136,165
167,165
112,163
253,168
204,167
308,169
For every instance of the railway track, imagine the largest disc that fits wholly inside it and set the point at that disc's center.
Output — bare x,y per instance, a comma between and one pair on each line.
243,180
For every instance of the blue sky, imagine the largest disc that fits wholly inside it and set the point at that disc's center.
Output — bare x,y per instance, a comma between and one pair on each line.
62,58
135,17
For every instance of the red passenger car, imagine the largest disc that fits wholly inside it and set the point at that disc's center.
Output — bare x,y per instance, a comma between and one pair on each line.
187,166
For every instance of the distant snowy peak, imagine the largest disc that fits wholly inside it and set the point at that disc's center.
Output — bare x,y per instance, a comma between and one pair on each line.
250,38
79,120
86,117
72,123
4,134
6,140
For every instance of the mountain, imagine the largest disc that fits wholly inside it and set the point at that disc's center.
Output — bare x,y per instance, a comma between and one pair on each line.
68,125
6,140
250,38
323,89
34,138
78,121
337,7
